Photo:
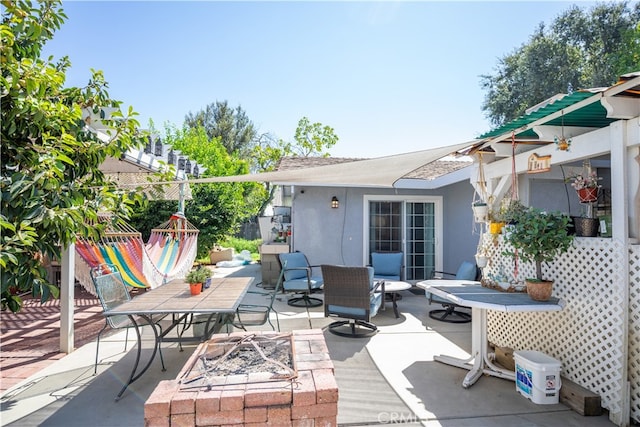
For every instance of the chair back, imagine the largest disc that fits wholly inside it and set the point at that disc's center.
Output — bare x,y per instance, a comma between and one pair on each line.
297,262
111,291
387,265
467,271
347,287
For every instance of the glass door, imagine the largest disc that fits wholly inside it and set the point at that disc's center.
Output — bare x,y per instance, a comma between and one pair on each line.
409,226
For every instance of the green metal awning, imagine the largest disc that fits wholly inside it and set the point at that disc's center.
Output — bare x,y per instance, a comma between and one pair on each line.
592,115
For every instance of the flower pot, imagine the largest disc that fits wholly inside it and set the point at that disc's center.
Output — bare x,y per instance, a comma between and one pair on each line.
588,194
480,213
539,290
586,227
196,288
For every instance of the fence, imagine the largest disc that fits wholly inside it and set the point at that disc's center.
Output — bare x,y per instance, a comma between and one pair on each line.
594,334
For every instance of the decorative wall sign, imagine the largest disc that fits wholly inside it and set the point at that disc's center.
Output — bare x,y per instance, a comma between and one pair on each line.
538,164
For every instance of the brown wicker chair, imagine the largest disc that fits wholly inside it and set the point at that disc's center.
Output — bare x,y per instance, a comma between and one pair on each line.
352,294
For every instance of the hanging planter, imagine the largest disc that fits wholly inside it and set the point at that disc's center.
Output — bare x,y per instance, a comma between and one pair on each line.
588,194
480,212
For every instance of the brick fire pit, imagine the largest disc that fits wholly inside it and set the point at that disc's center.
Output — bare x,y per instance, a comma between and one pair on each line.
252,398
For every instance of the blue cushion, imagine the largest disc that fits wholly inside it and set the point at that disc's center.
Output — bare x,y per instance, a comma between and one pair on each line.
351,312
387,265
296,265
467,271
302,284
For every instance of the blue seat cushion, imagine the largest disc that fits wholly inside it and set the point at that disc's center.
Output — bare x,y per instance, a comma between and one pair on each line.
358,313
302,284
387,265
467,271
297,265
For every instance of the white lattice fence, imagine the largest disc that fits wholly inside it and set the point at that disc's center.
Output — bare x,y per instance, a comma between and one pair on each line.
634,330
588,335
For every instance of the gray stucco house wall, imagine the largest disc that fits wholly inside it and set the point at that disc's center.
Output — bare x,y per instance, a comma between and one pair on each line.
337,236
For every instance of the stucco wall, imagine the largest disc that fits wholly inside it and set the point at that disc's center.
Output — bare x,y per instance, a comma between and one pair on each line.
335,236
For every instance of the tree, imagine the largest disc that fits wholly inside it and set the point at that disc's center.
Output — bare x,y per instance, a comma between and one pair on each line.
51,185
313,139
232,126
579,50
216,209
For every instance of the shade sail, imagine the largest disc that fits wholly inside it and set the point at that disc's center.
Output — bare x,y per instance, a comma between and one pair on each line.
377,172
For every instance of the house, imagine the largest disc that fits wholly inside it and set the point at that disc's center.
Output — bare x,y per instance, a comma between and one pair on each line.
382,206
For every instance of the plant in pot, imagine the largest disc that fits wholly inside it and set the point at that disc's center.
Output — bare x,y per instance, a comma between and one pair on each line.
195,279
539,237
586,186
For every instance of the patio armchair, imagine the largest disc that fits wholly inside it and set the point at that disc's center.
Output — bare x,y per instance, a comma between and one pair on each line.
258,314
387,265
351,293
466,271
111,291
299,279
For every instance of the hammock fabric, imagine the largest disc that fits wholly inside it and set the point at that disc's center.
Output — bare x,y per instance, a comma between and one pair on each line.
169,254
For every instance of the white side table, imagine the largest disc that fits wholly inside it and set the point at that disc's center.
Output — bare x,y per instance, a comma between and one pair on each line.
392,287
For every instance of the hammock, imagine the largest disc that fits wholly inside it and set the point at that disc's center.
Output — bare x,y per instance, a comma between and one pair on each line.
169,254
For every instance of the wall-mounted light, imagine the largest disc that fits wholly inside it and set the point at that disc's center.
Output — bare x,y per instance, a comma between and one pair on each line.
335,203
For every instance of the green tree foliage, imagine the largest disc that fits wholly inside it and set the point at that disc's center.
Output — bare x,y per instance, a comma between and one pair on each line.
313,139
580,49
231,125
216,209
51,184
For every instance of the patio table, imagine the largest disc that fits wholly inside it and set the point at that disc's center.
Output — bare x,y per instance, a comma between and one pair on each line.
219,302
481,299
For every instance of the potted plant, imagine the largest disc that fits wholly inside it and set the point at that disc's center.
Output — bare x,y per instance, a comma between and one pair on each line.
538,237
195,279
586,186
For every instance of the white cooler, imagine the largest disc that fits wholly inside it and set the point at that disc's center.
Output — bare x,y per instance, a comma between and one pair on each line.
538,376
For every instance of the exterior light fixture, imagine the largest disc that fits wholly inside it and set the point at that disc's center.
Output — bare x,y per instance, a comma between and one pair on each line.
335,203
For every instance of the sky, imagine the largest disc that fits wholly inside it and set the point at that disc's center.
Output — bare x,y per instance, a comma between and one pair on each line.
389,77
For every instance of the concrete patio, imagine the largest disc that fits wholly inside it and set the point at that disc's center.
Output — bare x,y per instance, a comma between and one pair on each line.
390,378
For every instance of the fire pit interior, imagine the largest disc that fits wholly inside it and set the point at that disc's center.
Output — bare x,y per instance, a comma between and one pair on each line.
271,355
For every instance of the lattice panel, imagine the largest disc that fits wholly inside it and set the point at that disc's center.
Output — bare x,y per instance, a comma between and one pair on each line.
634,330
588,335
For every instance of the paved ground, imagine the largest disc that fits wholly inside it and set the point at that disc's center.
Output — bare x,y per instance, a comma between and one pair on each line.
30,339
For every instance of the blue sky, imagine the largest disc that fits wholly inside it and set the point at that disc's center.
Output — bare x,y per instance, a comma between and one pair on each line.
389,77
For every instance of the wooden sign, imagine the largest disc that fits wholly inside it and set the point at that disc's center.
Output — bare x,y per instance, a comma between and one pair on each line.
538,164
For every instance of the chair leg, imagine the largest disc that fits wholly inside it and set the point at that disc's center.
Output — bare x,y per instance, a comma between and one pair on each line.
304,301
358,328
450,315
95,365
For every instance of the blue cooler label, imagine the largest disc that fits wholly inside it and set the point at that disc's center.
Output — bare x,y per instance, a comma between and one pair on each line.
524,379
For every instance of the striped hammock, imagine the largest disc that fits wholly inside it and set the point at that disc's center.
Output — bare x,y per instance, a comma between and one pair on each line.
168,255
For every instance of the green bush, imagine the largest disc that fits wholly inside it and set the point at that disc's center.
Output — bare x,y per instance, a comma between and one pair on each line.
241,244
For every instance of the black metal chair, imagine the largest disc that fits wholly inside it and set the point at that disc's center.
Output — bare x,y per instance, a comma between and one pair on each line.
352,294
259,314
466,271
299,279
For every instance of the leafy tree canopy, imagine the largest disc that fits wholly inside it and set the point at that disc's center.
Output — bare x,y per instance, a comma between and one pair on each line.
51,185
231,125
580,49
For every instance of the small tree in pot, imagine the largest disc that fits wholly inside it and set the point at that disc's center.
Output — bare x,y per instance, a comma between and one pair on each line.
537,237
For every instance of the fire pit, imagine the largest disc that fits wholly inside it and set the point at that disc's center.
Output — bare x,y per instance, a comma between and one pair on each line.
250,379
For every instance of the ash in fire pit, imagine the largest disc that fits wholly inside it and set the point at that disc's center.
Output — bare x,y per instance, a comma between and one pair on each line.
250,354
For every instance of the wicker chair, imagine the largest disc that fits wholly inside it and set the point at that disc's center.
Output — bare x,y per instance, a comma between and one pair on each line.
387,265
351,293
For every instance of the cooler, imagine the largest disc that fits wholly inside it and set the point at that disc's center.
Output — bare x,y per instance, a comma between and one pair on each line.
538,376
